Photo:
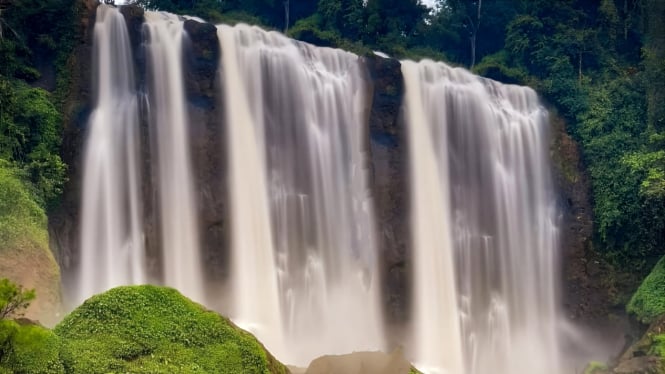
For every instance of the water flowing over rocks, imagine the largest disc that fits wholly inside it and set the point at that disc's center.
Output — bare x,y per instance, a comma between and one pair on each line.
584,290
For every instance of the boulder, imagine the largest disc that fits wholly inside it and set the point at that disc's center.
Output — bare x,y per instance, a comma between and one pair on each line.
149,329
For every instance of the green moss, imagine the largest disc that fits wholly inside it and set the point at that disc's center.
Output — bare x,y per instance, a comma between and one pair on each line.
22,220
148,329
29,349
658,345
595,367
648,302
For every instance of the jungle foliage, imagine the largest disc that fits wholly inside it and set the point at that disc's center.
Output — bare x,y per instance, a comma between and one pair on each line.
36,36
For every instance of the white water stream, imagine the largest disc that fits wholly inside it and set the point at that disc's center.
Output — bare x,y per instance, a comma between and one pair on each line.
111,235
484,225
303,237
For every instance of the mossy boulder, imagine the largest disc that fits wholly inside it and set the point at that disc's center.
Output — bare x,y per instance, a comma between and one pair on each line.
29,348
25,257
648,302
149,329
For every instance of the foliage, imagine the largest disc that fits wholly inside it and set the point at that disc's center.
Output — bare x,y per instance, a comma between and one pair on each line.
13,299
29,349
22,220
595,367
139,329
147,329
497,67
43,33
658,345
648,302
29,135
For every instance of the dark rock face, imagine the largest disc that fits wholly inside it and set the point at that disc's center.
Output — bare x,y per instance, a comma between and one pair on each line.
589,283
208,144
640,358
64,219
389,183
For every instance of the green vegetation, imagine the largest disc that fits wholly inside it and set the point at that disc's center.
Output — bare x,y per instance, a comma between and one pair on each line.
649,301
140,329
35,36
22,220
13,299
148,329
29,349
24,246
24,347
595,367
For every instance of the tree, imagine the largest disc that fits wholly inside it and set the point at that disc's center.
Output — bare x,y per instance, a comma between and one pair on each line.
13,299
393,21
654,63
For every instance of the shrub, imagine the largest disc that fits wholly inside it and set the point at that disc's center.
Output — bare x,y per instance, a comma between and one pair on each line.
648,302
13,299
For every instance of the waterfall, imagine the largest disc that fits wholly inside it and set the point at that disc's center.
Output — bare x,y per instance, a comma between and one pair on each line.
301,208
111,234
484,224
256,298
168,119
438,340
304,263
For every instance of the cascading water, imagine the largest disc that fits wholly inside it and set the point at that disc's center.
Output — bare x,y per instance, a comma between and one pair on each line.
484,214
111,236
302,214
255,289
304,274
112,242
168,118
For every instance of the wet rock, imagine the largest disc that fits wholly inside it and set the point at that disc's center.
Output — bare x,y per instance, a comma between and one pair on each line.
64,219
640,365
208,144
389,183
361,363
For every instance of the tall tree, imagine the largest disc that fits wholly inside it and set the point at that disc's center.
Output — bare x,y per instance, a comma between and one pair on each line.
393,21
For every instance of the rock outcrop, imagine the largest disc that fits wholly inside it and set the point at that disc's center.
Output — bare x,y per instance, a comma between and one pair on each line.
389,183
